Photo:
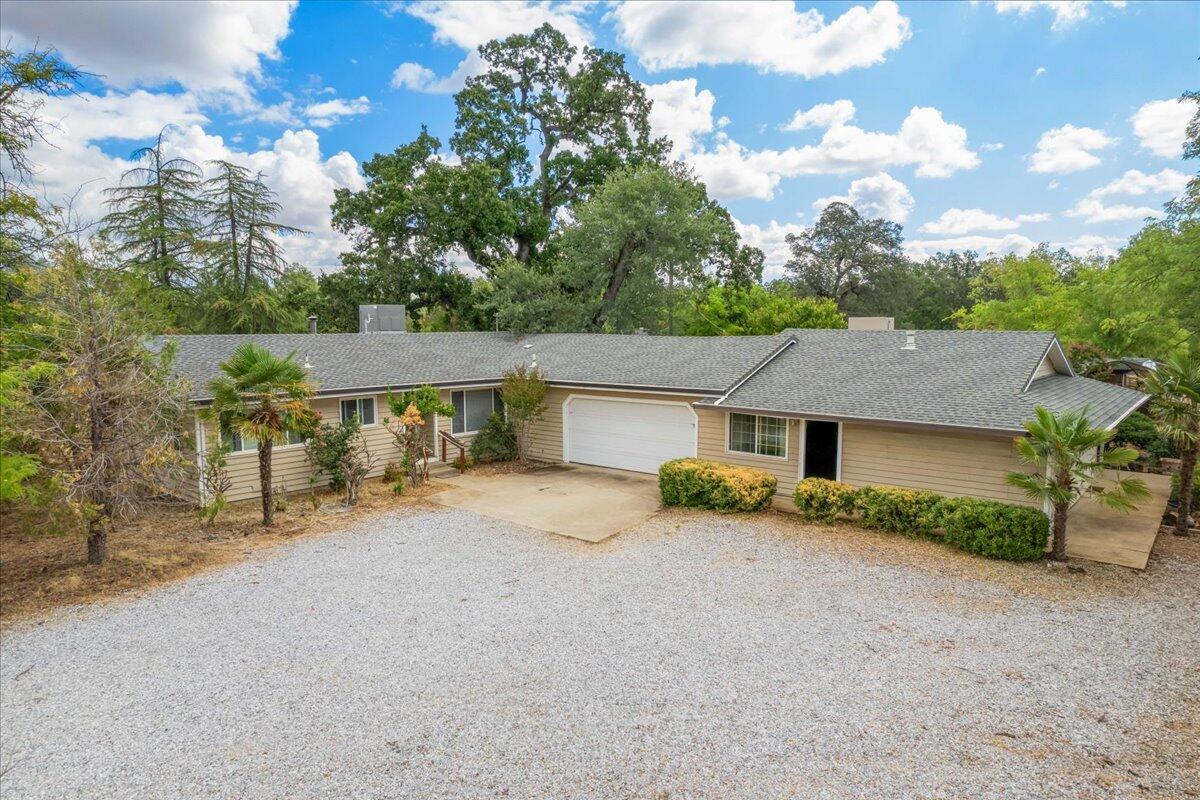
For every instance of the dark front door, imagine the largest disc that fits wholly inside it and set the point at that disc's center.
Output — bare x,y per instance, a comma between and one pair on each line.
820,449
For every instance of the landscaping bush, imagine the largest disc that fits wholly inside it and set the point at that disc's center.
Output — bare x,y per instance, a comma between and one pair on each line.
496,442
818,498
994,529
1139,431
696,483
889,508
1195,491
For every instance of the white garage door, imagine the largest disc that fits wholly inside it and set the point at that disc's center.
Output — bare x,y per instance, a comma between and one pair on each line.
628,435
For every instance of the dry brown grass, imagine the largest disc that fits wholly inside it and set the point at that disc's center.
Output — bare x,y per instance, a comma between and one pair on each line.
39,572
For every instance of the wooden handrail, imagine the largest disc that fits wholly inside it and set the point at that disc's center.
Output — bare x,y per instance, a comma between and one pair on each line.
444,437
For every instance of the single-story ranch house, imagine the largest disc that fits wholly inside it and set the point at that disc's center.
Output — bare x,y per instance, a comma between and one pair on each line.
922,409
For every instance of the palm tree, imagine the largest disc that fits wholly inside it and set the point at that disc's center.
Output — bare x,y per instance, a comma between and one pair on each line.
1067,454
1175,389
263,396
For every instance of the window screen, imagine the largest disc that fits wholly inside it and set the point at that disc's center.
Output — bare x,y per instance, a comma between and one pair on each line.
472,409
763,436
741,433
364,407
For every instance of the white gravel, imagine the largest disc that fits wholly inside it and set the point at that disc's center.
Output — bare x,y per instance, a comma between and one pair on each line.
441,654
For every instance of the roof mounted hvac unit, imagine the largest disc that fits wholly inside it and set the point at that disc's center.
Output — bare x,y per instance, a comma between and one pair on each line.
381,319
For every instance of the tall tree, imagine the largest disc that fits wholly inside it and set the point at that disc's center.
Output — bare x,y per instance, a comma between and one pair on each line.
25,81
1175,389
756,310
1062,450
156,215
262,396
837,255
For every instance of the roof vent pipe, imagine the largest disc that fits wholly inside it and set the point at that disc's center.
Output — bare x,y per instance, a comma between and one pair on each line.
910,340
312,323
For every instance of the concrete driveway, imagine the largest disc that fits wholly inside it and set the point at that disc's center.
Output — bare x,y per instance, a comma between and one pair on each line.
588,503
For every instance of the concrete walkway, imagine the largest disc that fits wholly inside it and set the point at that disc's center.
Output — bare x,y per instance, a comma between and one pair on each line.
588,503
1111,537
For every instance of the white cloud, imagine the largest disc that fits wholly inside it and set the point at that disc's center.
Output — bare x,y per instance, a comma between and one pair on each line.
772,241
925,140
1094,211
1066,12
955,221
1068,149
328,113
680,112
991,147
1136,182
469,25
774,37
1089,245
203,46
985,245
1039,72
876,196
1160,126
823,115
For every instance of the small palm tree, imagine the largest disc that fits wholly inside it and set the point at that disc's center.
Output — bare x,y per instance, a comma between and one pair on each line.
1175,389
263,396
1063,450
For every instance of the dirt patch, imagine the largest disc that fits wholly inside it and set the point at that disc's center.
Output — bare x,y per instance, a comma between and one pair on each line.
40,572
506,468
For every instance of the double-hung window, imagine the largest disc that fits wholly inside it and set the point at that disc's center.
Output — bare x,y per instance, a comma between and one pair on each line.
760,436
361,407
472,408
241,443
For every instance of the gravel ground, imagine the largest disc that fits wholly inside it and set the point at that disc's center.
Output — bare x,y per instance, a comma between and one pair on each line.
435,653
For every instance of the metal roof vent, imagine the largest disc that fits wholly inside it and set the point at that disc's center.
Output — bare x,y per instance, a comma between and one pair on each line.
910,340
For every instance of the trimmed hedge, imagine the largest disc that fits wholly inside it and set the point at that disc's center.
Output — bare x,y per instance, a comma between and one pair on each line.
906,511
697,483
994,529
821,499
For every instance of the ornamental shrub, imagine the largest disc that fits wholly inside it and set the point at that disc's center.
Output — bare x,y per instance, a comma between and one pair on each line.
910,512
697,483
1138,430
994,529
496,441
818,498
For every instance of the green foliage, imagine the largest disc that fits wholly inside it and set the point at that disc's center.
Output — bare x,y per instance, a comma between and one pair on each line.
523,390
463,462
15,471
214,482
696,483
392,472
1138,430
1175,483
993,529
427,400
821,499
340,452
842,252
1089,361
755,310
1175,392
910,512
496,441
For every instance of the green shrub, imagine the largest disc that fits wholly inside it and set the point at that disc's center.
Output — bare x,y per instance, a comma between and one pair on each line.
1195,490
818,498
1138,430
994,529
696,483
889,508
392,472
495,442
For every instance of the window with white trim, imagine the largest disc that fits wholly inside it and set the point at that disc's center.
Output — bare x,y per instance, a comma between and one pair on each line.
472,408
362,407
242,443
760,436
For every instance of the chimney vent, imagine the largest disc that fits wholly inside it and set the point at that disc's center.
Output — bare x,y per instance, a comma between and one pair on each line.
910,340
312,323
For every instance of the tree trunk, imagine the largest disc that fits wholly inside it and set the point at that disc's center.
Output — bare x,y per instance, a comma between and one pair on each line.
620,270
264,476
1187,477
97,540
1058,550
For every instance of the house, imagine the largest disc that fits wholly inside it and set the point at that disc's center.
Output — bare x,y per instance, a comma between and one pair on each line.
923,409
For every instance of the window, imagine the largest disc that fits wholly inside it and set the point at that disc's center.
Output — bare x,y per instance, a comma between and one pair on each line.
762,436
472,409
362,407
241,443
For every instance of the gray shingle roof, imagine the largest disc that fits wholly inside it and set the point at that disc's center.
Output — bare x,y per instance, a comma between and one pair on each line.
359,361
971,379
1107,404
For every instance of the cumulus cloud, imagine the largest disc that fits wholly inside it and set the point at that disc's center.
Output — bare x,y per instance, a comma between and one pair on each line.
922,249
469,25
925,140
203,46
681,112
772,240
823,115
955,221
328,113
1137,183
1066,12
1089,245
875,196
1068,149
1160,126
1094,211
774,37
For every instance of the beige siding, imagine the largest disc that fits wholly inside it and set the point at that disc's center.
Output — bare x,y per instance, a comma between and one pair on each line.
546,434
951,464
445,423
714,442
1045,368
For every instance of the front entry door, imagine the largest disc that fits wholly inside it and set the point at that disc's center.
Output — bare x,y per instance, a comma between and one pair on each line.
820,449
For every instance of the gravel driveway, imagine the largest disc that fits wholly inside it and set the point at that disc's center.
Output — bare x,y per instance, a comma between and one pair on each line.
435,653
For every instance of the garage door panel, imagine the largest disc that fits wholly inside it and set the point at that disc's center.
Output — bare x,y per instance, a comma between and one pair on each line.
637,436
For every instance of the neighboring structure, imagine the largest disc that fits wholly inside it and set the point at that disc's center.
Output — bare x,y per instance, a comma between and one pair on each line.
871,323
381,319
1129,371
923,409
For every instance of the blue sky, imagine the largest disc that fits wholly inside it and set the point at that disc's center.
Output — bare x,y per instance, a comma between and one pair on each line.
989,126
